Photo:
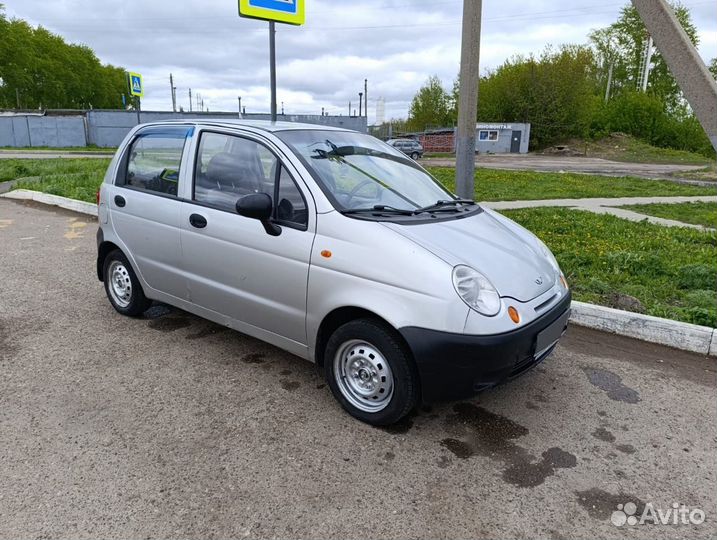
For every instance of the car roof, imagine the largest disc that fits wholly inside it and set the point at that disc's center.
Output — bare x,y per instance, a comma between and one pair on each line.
264,125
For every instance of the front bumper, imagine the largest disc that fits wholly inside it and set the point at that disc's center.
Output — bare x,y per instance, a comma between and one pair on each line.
456,366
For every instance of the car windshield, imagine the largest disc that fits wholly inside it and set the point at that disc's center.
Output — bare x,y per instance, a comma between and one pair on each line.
358,171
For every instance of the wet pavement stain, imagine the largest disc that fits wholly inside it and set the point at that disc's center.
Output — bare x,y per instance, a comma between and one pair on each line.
169,324
612,384
526,474
285,372
459,448
443,462
290,386
603,434
209,330
253,358
600,504
492,435
531,405
626,448
389,456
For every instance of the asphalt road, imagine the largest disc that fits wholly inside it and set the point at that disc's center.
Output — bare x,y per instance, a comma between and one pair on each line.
171,426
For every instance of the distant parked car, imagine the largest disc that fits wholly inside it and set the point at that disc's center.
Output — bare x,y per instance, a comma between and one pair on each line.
410,147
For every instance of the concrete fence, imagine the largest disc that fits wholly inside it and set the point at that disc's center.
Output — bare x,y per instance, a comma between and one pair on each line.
107,128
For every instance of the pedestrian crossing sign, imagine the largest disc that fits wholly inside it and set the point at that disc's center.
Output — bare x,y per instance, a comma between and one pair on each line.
135,84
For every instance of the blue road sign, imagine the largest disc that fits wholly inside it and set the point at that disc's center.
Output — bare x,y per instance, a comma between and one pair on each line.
135,84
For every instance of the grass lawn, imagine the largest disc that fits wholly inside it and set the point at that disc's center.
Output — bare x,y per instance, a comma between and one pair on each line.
698,213
621,147
10,169
672,271
499,185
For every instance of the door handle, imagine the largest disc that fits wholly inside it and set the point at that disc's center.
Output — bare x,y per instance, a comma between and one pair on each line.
119,201
195,220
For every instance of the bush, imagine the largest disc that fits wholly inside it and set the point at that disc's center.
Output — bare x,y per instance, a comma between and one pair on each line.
645,116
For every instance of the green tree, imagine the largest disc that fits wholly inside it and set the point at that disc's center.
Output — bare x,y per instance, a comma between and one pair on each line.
556,93
41,70
713,67
430,107
622,45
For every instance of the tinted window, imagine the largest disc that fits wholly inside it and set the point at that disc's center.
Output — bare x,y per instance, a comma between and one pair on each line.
154,161
229,167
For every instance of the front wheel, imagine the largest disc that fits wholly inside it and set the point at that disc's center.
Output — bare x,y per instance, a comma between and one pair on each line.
415,156
370,373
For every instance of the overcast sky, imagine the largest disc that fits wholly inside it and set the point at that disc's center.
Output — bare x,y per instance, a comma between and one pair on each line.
396,44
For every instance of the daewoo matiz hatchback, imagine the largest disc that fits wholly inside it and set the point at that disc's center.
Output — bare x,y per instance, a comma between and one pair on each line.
334,246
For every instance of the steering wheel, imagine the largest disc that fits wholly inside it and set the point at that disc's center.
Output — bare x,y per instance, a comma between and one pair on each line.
355,190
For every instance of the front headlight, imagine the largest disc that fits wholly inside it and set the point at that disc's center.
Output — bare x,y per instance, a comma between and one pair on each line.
476,290
548,254
553,262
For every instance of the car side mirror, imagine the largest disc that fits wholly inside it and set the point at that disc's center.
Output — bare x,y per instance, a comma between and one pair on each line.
258,206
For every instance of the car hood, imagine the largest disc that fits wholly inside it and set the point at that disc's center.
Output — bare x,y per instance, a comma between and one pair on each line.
500,249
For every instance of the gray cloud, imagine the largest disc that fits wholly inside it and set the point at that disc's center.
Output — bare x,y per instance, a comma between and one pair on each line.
396,44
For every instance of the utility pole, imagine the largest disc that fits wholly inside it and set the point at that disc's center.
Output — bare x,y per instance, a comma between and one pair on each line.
609,81
360,104
282,108
349,109
272,68
190,100
695,80
468,98
173,90
239,100
365,95
643,74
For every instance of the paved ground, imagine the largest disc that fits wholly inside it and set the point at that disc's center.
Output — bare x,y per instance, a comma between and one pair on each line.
536,162
170,426
610,206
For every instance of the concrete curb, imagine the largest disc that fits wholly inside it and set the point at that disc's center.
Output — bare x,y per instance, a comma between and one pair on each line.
685,336
679,335
54,200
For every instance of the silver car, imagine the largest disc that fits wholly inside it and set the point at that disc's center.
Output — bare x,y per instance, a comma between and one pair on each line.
334,246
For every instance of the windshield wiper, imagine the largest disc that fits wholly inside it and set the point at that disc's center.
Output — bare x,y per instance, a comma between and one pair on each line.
380,209
447,205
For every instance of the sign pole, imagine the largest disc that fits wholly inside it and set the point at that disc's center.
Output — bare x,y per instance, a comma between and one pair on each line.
272,68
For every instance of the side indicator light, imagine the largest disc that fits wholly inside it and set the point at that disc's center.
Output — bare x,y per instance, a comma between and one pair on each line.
514,315
563,281
326,253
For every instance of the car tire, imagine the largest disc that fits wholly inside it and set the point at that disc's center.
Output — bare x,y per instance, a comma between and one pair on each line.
370,372
415,156
122,286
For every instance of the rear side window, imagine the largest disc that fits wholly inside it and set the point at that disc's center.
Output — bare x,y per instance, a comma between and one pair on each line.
154,159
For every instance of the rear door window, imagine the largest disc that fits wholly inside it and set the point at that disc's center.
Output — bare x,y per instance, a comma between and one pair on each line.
154,159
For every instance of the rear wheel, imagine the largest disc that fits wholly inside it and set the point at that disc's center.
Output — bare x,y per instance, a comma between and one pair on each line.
415,156
370,373
122,286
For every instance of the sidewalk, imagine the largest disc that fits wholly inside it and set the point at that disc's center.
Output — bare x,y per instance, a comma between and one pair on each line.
610,206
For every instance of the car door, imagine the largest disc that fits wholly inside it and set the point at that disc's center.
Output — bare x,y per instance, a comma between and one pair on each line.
145,207
233,266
